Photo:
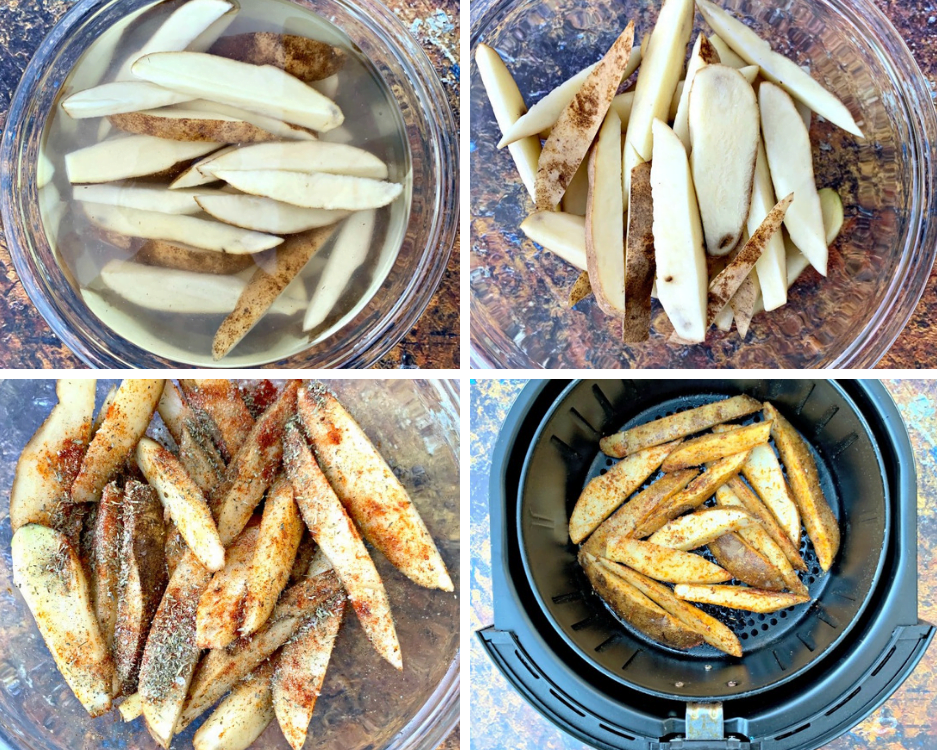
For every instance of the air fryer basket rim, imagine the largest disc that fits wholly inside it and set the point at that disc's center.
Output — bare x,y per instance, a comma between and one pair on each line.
688,676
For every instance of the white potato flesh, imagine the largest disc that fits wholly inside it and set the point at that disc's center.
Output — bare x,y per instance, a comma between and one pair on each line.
156,199
703,54
274,126
120,97
241,717
763,471
323,190
726,55
772,274
604,223
560,233
193,176
266,215
831,207
315,157
129,157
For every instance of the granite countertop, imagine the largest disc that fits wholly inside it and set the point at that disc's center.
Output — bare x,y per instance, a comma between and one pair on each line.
501,719
28,342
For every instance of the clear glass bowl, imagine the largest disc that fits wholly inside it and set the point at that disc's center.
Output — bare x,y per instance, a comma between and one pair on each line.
879,264
365,703
431,227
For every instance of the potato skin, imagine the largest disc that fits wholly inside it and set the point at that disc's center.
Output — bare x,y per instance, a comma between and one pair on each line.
306,59
165,254
190,129
745,563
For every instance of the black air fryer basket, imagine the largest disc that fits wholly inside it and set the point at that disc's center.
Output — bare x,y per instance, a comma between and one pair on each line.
808,673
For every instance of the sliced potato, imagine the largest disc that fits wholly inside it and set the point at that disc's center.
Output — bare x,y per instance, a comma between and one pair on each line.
129,157
242,716
190,126
106,560
274,126
726,55
745,562
831,207
756,537
221,401
713,446
220,609
608,491
640,271
193,175
164,254
306,59
738,597
125,423
742,300
622,104
772,274
819,520
377,502
678,425
51,579
307,157
763,471
267,215
699,528
580,289
157,199
560,233
574,199
120,97
318,190
53,457
666,564
130,708
703,54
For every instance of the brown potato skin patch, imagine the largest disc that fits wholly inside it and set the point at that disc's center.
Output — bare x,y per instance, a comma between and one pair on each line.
303,58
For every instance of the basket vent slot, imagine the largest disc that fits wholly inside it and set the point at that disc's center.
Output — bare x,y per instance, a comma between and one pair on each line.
784,735
845,443
581,420
843,703
567,703
526,665
618,733
825,418
882,664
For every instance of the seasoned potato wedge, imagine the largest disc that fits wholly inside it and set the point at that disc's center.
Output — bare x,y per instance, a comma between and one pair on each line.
666,564
745,563
763,471
220,609
756,537
242,716
677,426
103,410
608,491
369,490
130,708
48,574
220,399
338,539
125,423
738,597
305,59
699,528
52,457
713,446
106,560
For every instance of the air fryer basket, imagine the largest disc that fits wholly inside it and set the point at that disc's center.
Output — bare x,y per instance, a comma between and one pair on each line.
565,455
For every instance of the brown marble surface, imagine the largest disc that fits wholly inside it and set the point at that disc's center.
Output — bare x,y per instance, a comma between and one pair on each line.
26,341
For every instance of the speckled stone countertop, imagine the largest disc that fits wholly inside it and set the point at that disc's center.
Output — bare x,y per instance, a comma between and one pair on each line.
26,341
501,719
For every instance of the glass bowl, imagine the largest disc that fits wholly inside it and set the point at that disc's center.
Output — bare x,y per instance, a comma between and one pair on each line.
878,265
364,703
397,300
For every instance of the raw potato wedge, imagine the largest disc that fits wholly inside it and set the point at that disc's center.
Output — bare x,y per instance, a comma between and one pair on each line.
665,564
573,132
52,458
681,273
699,528
738,597
580,289
274,126
264,289
542,115
184,502
280,533
321,190
266,215
164,254
777,68
726,55
772,274
348,253
640,271
181,229
713,446
696,493
194,176
787,146
725,284
819,520
220,609
508,106
125,422
661,69
130,157
703,54
763,471
624,521
51,579
574,199
308,157
560,233
221,401
678,425
106,561
120,97
742,300
189,126
300,672
831,207
647,617
713,631
604,223
369,490
606,492
723,127
303,58
156,199
338,539
263,89
242,716
756,537
143,578
745,562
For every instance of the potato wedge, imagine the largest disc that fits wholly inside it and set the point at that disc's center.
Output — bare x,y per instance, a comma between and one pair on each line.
738,597
274,126
52,458
130,708
279,536
336,536
129,157
267,215
300,672
664,563
727,56
308,157
220,399
640,272
143,578
713,631
699,528
164,254
634,607
242,716
327,191
185,125
125,423
742,301
580,289
831,207
120,97
560,233
819,520
220,609
763,471
184,502
264,289
756,537
156,199
303,58
106,561
192,175
703,54
696,493
606,492
573,132
745,562
574,199
678,425
369,490
713,446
